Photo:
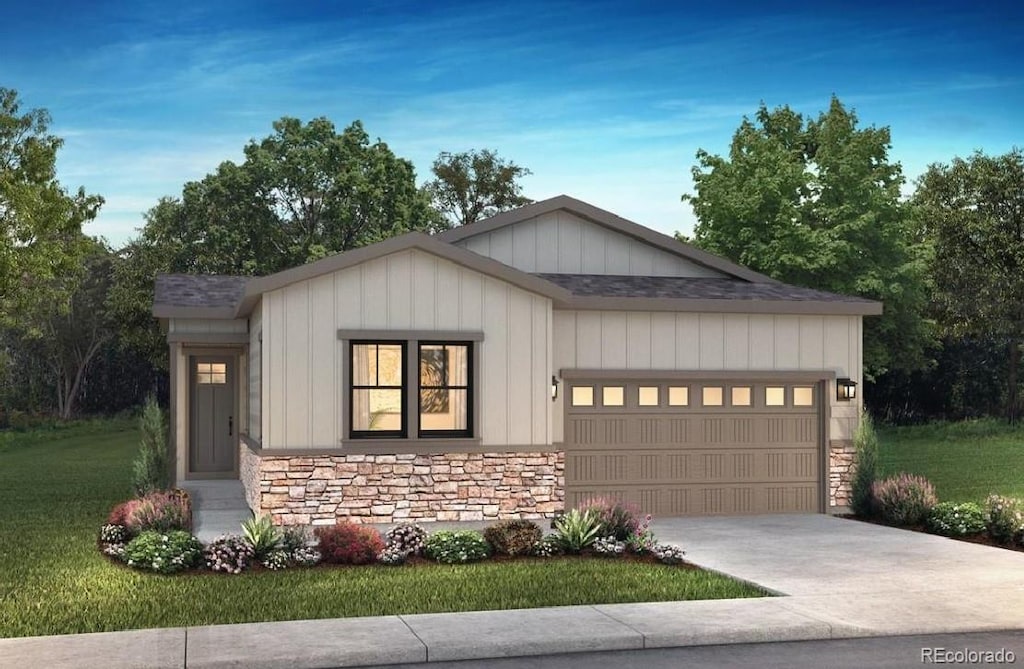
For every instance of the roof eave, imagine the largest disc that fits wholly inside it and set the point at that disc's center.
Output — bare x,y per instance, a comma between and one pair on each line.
748,306
172,311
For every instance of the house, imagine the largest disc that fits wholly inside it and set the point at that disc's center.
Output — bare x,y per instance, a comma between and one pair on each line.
513,367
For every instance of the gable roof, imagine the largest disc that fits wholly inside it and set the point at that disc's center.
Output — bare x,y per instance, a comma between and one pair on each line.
411,240
608,220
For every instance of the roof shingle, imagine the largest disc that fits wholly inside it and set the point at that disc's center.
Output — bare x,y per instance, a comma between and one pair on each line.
198,290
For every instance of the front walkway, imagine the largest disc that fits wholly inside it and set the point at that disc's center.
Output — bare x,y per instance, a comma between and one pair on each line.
218,507
840,578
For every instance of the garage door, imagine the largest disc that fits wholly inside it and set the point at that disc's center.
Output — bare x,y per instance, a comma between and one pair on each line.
690,448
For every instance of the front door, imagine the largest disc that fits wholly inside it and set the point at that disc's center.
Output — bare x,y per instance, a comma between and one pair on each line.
212,439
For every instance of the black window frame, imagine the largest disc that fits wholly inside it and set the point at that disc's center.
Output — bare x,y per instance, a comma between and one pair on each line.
403,431
470,378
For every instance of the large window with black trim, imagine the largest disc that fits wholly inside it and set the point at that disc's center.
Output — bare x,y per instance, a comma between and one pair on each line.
377,389
385,403
445,389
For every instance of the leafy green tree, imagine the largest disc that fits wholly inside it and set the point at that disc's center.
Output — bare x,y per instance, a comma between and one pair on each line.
303,193
817,203
473,185
40,223
974,210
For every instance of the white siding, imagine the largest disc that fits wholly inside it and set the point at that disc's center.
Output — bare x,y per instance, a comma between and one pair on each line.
560,242
255,371
207,326
303,359
712,342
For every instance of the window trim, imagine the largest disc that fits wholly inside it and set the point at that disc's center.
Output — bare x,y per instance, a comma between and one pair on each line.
469,387
403,431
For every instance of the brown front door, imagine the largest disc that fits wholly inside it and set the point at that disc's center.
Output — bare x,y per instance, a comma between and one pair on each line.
212,420
695,448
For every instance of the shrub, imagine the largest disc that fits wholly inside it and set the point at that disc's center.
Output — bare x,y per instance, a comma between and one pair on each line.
668,553
115,551
578,529
905,499
261,535
865,466
549,546
393,555
609,546
165,553
513,537
119,514
294,537
161,512
150,468
113,534
348,543
407,538
956,519
305,556
642,540
275,559
229,554
1004,518
618,519
457,547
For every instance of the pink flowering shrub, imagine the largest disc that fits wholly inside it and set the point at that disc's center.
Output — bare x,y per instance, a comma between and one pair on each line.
159,511
905,499
1004,518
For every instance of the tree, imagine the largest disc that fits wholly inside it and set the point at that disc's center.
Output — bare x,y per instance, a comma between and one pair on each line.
40,224
817,204
974,209
302,193
473,185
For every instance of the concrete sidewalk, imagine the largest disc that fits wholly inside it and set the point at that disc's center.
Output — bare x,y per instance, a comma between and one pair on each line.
841,579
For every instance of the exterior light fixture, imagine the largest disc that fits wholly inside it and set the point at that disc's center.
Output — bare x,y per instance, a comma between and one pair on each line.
554,388
846,390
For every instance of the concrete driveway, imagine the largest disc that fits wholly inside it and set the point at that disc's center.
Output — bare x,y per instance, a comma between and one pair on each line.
861,576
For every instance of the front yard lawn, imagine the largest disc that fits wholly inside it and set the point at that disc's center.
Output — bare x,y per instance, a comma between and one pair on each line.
965,461
57,487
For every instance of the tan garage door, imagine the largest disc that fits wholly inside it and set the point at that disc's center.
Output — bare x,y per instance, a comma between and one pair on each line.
695,448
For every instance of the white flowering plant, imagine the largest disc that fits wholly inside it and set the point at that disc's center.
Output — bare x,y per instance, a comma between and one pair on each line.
609,546
668,553
305,556
163,552
457,547
229,554
407,538
549,546
1004,518
956,519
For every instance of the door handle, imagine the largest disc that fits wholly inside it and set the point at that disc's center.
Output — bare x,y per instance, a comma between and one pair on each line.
231,423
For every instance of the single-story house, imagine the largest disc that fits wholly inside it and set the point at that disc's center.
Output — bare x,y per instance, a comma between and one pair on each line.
512,368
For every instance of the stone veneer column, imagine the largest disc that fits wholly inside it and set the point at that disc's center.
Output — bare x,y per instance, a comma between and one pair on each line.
840,472
389,488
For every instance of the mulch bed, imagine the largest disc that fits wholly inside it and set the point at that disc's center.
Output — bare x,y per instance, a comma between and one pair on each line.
980,538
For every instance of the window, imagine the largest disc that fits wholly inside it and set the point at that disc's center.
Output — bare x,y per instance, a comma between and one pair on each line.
378,389
582,396
775,396
712,396
678,396
647,396
211,372
803,396
613,396
444,389
741,396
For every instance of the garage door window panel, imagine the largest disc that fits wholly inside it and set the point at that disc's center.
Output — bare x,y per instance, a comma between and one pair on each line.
678,396
803,396
741,396
712,396
648,396
582,396
613,396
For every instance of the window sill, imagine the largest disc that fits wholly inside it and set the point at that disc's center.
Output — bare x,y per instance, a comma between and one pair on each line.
384,446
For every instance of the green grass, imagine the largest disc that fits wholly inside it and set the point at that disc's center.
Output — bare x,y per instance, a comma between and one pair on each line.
965,461
57,485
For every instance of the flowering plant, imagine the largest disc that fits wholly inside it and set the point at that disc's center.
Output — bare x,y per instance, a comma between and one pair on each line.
229,554
456,547
609,546
165,553
642,540
1004,519
348,543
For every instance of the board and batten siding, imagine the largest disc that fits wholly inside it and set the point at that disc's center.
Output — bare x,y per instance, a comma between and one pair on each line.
255,372
713,342
304,363
562,243
207,326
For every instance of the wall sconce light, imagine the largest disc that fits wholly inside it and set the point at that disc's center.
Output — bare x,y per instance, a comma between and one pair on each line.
554,388
846,390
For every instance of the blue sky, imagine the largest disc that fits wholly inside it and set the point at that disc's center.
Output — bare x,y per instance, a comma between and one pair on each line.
607,102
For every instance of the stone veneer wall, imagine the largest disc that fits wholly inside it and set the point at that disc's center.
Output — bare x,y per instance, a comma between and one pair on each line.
840,472
249,473
323,489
